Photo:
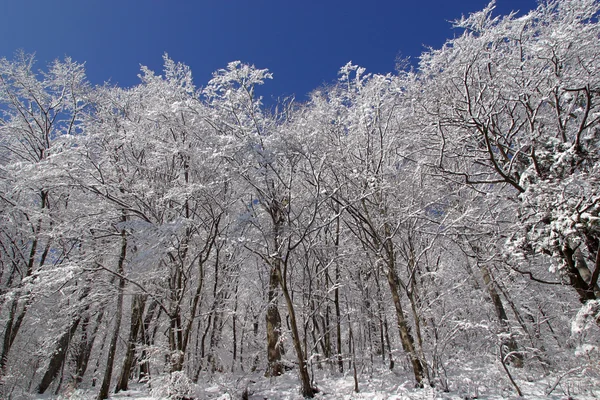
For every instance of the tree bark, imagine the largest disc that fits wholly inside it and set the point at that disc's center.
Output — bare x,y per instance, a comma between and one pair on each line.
14,324
405,335
336,302
515,358
147,339
273,319
103,394
137,309
58,357
306,389
85,347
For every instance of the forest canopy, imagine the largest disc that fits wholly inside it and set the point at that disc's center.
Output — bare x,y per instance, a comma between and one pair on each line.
441,222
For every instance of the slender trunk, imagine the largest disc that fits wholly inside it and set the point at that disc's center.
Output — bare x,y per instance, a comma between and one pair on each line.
273,319
175,328
412,294
147,339
338,326
336,302
326,333
137,309
325,319
58,357
197,295
234,330
316,338
383,325
105,338
515,358
417,320
103,394
215,339
255,327
353,355
85,348
7,342
381,338
306,389
215,333
14,321
388,342
405,335
374,342
204,335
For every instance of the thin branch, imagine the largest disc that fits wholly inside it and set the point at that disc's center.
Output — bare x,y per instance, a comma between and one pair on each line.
503,361
533,278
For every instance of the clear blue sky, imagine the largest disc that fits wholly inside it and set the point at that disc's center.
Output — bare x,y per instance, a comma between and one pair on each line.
303,42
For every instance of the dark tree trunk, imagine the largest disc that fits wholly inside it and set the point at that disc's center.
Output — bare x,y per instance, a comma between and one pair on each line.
515,358
273,319
336,302
405,335
147,339
58,357
234,330
338,324
576,279
14,321
137,309
306,389
103,394
85,347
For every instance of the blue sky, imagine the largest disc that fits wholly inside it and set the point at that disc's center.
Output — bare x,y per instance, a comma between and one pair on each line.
303,42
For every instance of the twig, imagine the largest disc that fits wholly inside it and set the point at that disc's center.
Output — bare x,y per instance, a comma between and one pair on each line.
560,378
502,360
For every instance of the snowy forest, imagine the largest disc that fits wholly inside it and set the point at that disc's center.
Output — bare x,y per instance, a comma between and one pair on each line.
435,229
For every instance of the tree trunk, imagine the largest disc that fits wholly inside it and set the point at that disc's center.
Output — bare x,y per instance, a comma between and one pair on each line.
336,301
306,389
147,339
85,348
385,336
412,293
273,319
352,348
137,309
215,325
515,358
13,325
8,335
234,330
405,335
103,394
175,326
338,320
58,357
576,280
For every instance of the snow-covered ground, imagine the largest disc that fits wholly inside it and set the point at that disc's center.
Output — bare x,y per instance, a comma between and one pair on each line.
380,385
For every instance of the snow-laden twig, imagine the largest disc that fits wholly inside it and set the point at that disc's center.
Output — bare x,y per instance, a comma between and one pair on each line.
503,361
569,372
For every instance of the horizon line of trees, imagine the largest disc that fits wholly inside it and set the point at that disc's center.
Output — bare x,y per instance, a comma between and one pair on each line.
443,216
